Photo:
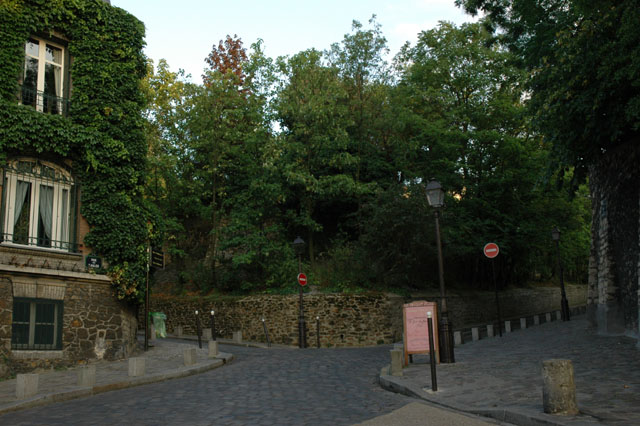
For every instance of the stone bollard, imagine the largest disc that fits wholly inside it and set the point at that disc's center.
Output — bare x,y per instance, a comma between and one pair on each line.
152,333
237,336
206,334
536,320
178,331
507,326
489,330
190,356
559,388
547,317
475,334
87,376
136,366
523,323
26,385
396,362
558,316
457,338
213,348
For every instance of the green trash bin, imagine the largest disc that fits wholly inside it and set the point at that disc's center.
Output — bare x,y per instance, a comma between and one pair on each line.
158,323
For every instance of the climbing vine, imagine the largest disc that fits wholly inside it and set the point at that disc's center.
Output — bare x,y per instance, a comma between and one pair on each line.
103,131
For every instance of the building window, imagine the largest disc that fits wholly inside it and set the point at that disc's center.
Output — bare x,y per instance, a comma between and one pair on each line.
37,324
43,76
38,205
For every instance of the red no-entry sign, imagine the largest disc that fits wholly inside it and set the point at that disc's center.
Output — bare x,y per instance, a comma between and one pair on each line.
302,279
491,250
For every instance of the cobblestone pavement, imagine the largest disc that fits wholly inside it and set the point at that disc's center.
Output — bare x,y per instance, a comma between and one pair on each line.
506,373
276,386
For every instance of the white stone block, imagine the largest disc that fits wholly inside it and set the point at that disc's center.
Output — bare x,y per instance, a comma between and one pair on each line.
558,316
523,323
136,366
536,320
213,348
26,385
206,334
457,338
190,356
507,326
547,317
490,330
87,376
475,334
237,336
178,331
396,362
152,333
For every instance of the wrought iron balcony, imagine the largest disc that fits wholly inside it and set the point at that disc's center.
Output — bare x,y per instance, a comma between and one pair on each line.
33,242
44,102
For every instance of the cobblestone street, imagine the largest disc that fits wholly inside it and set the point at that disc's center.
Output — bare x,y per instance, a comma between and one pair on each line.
276,386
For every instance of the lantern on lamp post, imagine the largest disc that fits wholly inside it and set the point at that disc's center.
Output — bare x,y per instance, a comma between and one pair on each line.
435,197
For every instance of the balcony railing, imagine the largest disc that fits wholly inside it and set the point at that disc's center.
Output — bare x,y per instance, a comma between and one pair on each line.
34,242
44,102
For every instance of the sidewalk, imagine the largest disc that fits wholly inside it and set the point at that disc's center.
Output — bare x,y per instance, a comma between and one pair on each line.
163,361
502,377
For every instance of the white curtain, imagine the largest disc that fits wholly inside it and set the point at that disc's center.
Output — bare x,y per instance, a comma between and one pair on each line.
21,196
46,208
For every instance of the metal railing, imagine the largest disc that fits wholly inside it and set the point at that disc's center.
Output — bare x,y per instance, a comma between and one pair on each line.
45,243
44,102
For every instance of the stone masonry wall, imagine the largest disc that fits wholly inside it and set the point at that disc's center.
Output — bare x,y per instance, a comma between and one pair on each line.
349,320
95,325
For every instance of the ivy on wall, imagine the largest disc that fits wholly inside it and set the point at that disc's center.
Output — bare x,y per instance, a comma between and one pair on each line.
103,132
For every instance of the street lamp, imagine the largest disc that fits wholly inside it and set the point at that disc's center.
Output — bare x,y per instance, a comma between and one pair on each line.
435,197
564,303
298,246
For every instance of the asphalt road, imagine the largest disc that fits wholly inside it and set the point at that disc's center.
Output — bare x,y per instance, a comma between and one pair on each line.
275,386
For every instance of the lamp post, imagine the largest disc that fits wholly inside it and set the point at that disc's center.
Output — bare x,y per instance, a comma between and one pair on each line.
435,197
564,303
298,246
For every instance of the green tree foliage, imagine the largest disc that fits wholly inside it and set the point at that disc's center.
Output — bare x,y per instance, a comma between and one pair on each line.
584,58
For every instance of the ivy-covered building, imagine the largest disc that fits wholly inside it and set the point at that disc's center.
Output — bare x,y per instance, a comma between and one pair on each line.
73,227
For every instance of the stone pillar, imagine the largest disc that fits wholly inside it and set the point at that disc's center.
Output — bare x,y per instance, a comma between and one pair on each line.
558,316
206,334
237,336
523,323
559,388
475,334
190,356
213,348
507,326
457,338
178,331
87,376
26,385
536,320
490,330
152,332
396,362
136,366
547,317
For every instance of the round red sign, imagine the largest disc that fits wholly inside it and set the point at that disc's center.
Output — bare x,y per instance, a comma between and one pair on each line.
302,279
491,250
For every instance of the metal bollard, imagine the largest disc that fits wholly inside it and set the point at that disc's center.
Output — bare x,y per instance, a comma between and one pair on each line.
266,333
432,354
213,325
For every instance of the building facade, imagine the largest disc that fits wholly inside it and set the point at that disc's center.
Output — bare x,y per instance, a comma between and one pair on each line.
70,128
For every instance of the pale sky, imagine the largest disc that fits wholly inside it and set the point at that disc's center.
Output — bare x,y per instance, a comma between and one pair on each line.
183,32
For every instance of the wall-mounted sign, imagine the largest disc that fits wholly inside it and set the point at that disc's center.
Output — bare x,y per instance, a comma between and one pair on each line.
93,262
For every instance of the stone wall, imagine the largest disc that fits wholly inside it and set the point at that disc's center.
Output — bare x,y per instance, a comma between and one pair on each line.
615,244
95,325
349,320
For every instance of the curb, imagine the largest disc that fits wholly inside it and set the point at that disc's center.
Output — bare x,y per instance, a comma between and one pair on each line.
82,392
509,415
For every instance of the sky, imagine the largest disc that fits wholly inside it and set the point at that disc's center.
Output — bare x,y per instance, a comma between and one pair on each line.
183,32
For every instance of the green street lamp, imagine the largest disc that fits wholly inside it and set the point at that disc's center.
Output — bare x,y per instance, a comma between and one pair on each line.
435,197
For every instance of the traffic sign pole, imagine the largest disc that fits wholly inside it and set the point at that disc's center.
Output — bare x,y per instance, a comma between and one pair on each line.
491,250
